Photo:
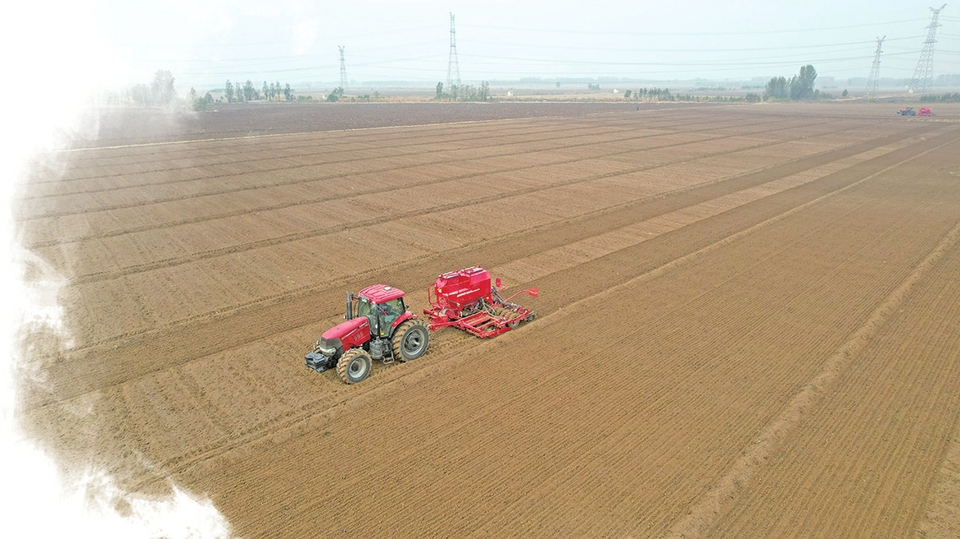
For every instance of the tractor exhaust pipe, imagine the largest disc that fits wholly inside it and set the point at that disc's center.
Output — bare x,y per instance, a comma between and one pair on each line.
349,315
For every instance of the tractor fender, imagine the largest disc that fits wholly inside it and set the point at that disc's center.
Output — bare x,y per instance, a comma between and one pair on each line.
407,315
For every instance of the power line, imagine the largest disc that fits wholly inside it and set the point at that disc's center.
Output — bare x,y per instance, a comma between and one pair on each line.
687,33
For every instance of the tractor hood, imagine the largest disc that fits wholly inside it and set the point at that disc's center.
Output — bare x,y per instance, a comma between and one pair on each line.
344,329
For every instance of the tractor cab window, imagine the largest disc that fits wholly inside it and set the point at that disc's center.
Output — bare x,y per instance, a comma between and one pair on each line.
364,307
392,308
389,312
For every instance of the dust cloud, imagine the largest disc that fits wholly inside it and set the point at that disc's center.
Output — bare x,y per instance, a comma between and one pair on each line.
39,499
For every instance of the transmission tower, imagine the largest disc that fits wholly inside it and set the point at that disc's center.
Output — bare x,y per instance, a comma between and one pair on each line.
874,80
453,68
343,69
924,71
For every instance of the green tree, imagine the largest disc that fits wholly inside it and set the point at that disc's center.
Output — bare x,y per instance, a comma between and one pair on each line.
228,91
249,92
287,92
626,94
161,89
335,95
265,93
439,90
484,93
801,86
776,88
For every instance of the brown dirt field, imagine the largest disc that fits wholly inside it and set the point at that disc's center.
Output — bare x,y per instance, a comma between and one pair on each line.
749,321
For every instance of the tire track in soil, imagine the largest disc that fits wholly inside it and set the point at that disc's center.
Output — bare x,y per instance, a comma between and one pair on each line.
81,371
722,496
280,240
175,198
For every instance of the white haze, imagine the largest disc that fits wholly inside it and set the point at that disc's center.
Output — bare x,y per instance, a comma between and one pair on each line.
55,61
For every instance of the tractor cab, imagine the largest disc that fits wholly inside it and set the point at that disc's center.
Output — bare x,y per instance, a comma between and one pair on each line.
377,327
382,305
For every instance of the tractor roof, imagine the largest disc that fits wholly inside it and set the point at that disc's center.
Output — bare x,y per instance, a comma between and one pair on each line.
379,293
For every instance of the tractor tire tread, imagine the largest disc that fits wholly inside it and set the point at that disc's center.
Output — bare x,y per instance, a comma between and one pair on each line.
400,335
343,365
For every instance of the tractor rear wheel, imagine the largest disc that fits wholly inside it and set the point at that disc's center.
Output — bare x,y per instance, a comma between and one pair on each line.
354,365
410,341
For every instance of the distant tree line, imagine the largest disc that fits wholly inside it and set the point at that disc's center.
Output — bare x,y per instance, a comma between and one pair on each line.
161,92
463,92
656,94
248,92
796,88
941,98
649,94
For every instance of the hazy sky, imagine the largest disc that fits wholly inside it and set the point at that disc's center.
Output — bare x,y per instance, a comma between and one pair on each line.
205,42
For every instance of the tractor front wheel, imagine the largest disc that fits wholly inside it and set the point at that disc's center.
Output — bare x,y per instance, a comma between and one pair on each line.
354,365
410,341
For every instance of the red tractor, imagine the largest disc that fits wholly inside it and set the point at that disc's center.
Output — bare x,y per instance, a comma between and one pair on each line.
925,111
380,328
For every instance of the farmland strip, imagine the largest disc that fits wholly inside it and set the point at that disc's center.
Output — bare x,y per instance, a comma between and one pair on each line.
395,216
301,200
100,207
93,368
328,146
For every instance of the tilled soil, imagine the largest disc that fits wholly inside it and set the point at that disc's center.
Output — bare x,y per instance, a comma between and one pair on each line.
748,322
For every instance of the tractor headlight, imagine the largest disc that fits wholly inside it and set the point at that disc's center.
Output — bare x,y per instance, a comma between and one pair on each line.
328,347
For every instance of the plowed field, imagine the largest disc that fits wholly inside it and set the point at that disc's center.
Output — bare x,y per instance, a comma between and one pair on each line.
749,323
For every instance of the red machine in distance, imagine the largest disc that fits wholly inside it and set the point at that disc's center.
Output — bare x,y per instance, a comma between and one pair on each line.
467,300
